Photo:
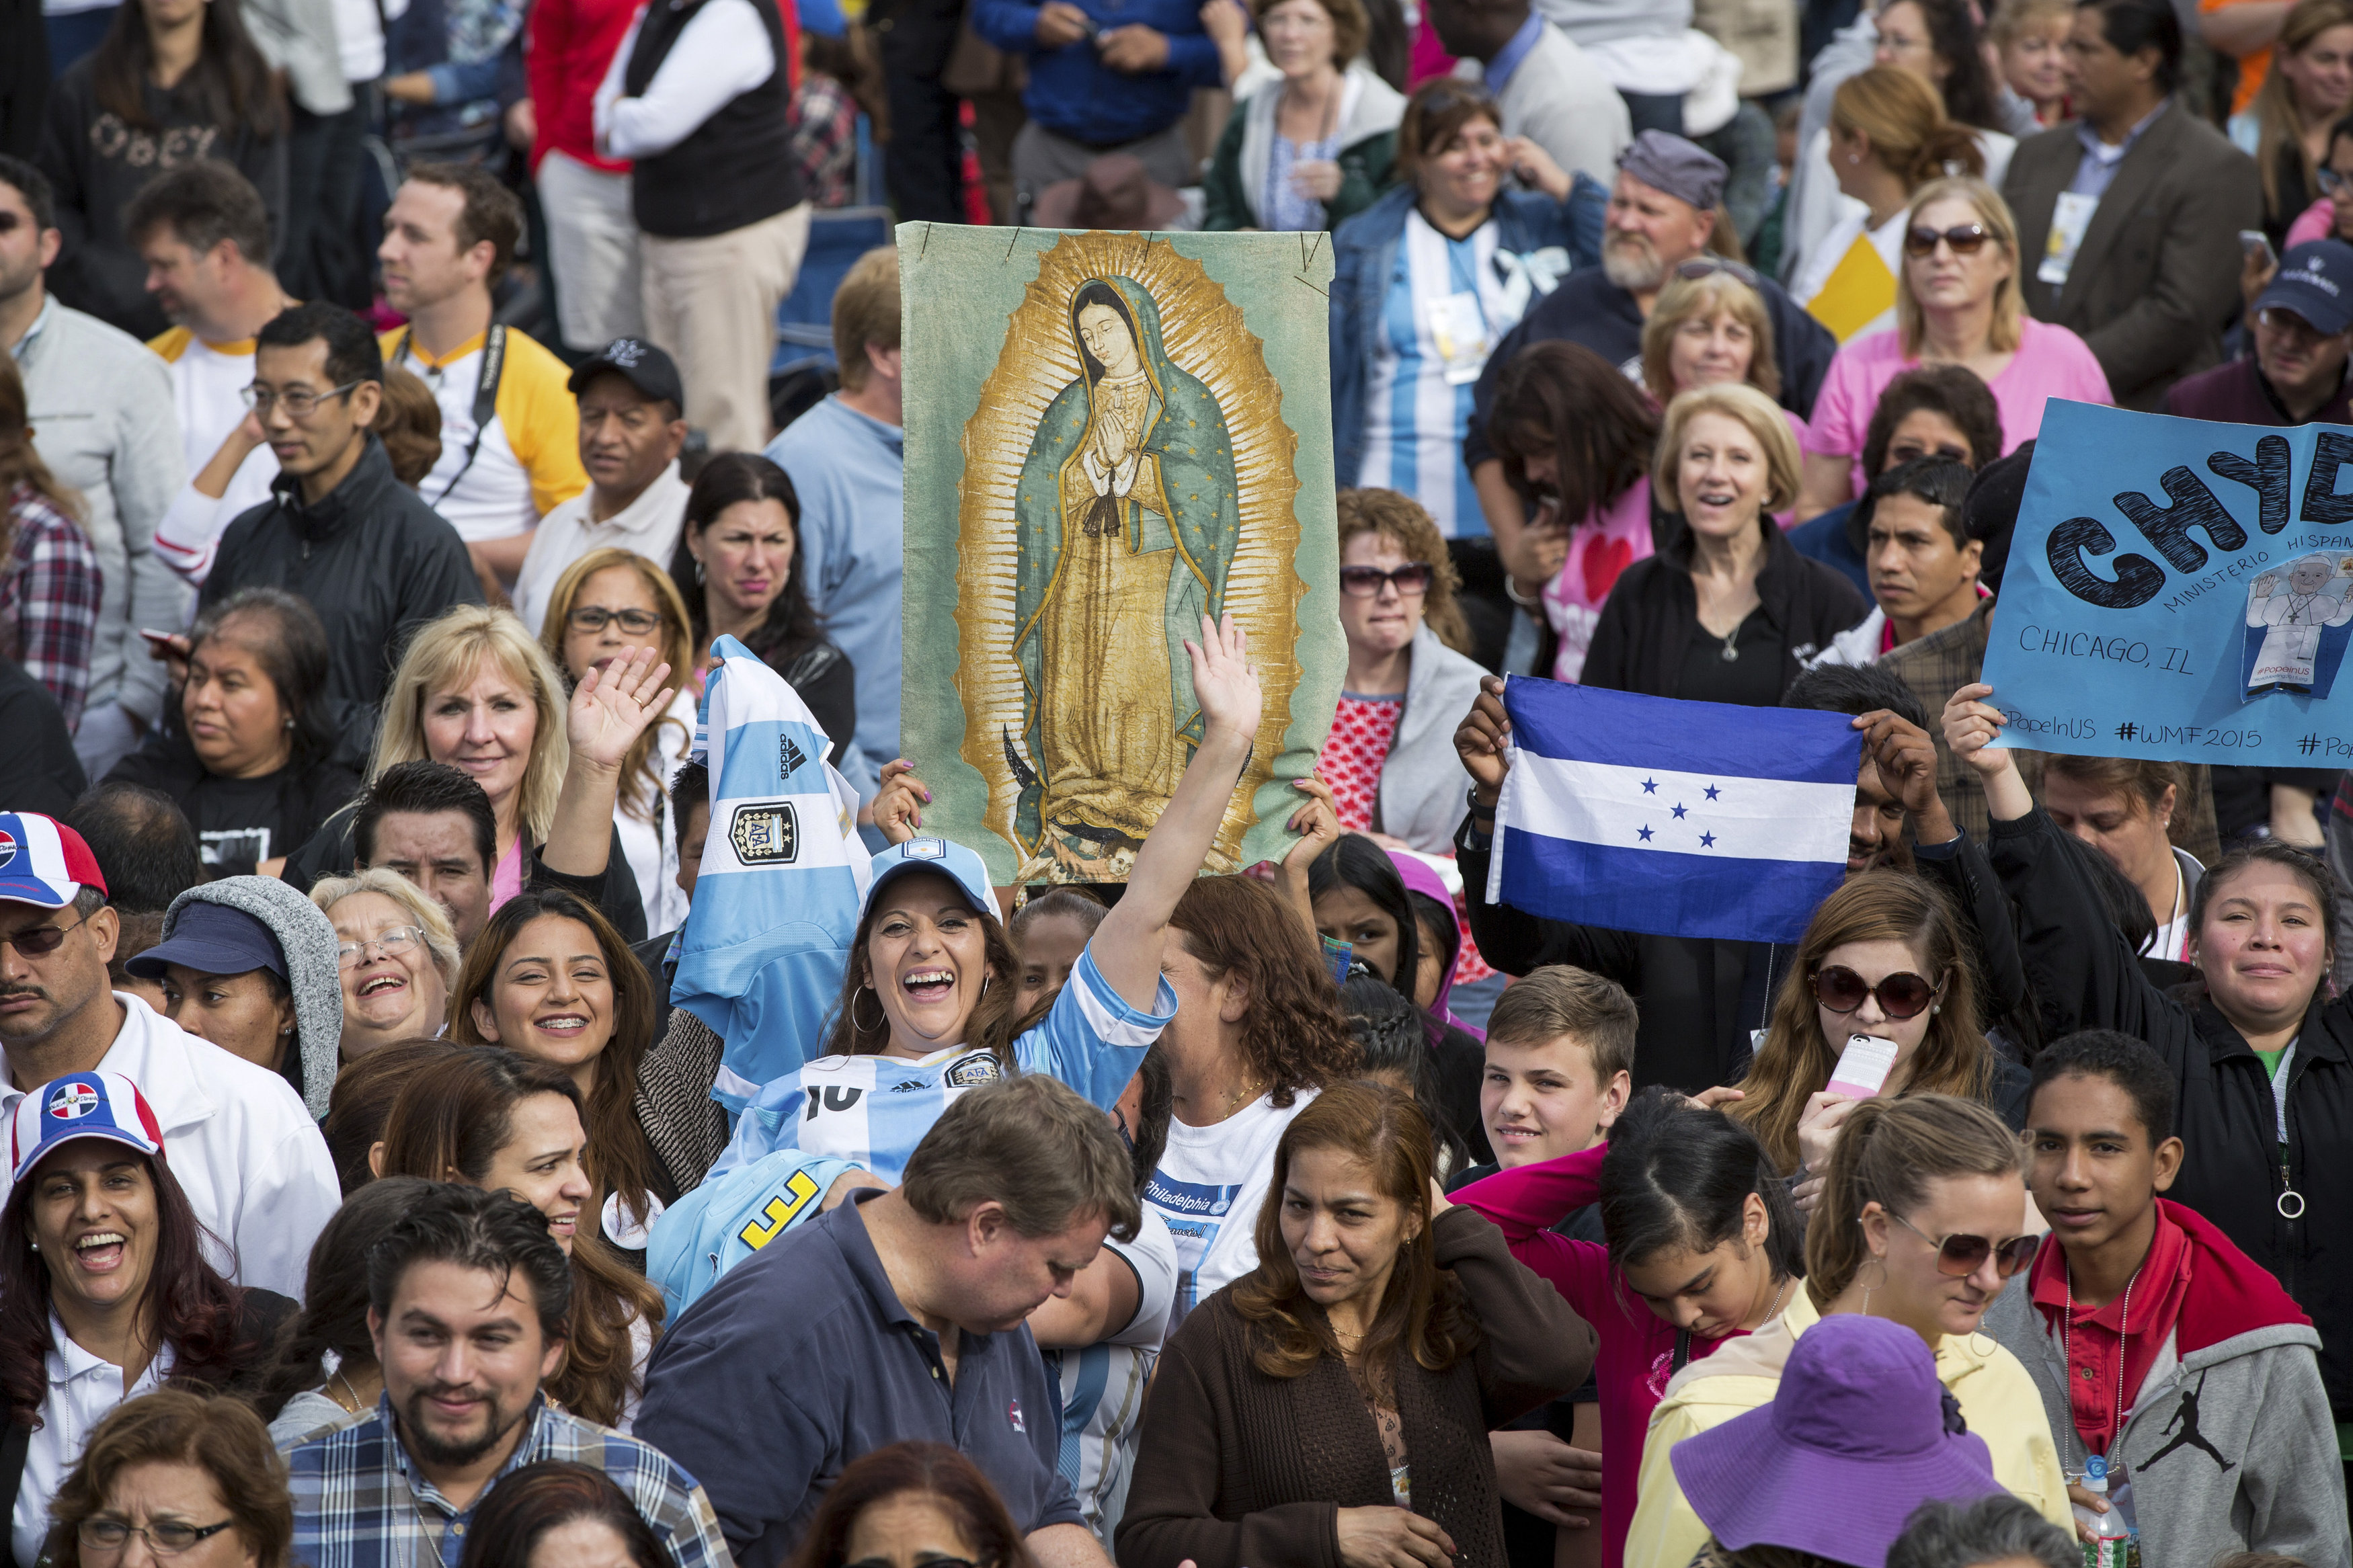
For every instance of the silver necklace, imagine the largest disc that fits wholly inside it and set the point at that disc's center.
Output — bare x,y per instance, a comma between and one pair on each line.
2124,1341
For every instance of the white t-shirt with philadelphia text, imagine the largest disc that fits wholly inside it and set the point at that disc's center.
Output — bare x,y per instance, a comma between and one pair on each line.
1209,1185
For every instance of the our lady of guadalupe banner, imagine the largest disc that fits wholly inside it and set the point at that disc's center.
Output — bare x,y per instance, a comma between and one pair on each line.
1110,435
2179,590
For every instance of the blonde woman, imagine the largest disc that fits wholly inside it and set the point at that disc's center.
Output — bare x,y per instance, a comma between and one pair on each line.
2286,128
2029,40
1709,330
1924,1224
1957,302
1727,611
396,955
1889,137
605,604
477,692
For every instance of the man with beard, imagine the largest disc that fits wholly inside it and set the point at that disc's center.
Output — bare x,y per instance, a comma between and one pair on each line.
467,1301
1701,998
1662,210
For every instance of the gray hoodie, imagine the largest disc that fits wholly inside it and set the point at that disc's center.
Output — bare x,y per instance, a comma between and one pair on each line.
307,940
2230,1443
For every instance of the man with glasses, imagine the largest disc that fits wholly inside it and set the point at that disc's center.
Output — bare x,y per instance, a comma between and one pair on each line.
339,530
253,1167
103,406
2134,207
632,428
2303,325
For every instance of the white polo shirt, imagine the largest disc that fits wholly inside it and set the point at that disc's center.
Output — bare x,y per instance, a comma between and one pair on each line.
237,1139
84,1389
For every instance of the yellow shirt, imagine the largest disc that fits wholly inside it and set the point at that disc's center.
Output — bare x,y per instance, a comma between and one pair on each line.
1997,1396
530,459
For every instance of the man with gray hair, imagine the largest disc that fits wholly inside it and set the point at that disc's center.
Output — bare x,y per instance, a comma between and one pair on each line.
1998,1532
901,1314
1662,214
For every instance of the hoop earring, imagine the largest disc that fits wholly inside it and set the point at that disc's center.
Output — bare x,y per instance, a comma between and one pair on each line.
883,1023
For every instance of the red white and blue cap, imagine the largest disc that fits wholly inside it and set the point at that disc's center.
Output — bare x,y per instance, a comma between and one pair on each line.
80,1105
43,861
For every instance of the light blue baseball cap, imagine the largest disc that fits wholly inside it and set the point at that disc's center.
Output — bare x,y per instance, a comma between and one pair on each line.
964,865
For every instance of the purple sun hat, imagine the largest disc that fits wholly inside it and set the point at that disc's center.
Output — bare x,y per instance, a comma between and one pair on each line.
1860,1433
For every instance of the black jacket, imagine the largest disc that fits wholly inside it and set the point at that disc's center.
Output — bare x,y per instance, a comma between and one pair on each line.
1647,622
38,770
2233,1171
372,559
330,853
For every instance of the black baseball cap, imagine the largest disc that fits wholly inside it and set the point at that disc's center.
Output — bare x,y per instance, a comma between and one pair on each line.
2315,280
638,363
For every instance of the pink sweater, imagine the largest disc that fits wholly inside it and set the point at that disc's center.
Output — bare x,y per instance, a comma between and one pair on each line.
1638,1346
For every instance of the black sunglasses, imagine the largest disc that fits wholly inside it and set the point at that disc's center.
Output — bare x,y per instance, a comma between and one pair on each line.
1903,994
1364,582
35,940
1959,1257
1966,239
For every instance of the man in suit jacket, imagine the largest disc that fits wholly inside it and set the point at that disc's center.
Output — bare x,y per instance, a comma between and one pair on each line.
2128,217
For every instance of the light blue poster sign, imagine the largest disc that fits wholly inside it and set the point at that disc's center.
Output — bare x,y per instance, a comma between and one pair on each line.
2179,590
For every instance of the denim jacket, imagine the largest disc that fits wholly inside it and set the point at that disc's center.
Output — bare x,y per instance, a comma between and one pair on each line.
1364,255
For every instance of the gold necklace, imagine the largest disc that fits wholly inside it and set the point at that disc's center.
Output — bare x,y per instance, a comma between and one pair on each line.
352,1392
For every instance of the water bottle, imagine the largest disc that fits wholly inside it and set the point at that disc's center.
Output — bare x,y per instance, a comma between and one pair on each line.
2111,1545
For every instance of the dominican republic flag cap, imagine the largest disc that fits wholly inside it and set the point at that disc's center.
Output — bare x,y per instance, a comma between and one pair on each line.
43,861
80,1105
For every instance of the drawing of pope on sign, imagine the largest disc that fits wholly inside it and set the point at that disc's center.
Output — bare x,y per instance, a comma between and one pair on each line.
1127,472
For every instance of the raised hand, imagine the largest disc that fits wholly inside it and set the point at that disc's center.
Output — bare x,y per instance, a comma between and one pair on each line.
1971,725
1906,759
1482,738
612,707
900,800
1224,683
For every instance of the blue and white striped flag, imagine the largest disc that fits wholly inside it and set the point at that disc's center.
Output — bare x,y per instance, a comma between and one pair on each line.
1676,818
776,904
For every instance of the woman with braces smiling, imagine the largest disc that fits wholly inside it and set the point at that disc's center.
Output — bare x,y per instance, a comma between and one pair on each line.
929,1000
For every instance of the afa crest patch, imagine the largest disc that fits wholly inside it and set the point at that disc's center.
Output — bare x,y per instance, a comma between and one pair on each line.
974,1071
766,833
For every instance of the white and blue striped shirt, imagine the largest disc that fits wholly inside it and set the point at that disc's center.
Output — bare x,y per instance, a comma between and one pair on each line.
1414,417
874,1110
1102,1384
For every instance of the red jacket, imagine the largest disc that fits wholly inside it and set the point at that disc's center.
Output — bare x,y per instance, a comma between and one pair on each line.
568,47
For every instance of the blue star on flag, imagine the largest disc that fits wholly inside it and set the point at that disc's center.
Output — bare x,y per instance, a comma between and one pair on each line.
1712,792
1679,812
1649,786
1644,833
1707,840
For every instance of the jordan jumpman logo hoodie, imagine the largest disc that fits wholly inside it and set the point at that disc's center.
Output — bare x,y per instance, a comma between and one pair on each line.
2227,1441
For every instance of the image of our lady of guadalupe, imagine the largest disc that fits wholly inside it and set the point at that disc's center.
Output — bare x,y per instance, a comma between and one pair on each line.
1128,515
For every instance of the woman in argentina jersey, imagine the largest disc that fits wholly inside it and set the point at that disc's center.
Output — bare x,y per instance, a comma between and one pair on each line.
929,1004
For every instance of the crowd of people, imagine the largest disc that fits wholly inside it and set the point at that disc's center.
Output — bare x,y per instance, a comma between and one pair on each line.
393,476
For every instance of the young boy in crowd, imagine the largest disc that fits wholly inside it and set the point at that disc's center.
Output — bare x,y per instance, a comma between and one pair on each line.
2154,1340
1560,1059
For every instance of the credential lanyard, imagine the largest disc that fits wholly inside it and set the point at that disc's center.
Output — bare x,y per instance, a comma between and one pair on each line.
486,396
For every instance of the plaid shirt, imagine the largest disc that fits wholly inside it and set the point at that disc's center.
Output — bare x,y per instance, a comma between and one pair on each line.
358,1503
49,599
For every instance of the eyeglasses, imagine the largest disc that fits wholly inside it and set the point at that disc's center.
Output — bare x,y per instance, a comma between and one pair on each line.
164,1537
2331,182
594,618
1364,582
35,940
1966,239
1903,994
388,944
1959,1257
2280,319
300,403
1700,267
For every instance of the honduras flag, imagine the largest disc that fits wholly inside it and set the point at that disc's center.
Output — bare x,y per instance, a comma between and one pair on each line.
776,905
1694,819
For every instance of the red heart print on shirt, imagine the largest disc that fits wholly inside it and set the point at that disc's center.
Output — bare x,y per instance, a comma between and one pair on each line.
1604,559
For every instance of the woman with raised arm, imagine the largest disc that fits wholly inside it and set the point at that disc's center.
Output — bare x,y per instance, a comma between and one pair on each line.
930,1002
2262,1054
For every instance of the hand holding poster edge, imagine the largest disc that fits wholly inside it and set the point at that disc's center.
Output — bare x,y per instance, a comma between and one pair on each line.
2154,609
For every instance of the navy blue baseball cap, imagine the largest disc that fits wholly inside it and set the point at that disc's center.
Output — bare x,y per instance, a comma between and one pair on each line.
2315,280
212,939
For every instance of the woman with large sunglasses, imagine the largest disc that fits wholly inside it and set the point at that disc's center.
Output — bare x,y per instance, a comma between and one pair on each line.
1922,1223
1387,759
1886,955
1957,302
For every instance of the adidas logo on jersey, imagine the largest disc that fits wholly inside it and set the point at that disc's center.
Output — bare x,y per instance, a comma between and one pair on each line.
906,1086
789,757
